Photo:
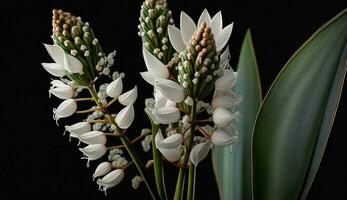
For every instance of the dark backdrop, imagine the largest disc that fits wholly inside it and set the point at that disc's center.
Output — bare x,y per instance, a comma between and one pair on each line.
38,162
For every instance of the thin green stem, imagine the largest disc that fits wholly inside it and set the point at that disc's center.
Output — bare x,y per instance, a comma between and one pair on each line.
126,142
181,174
191,182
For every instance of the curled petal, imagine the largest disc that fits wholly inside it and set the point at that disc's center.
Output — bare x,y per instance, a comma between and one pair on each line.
217,23
115,88
65,109
170,89
125,117
78,129
111,179
204,17
223,37
227,81
54,69
93,137
56,53
94,151
172,155
72,64
176,38
199,152
187,26
102,169
148,77
221,137
154,66
173,141
128,97
222,117
166,115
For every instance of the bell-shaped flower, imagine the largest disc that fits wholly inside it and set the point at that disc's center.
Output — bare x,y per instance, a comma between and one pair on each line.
102,169
76,130
170,89
93,137
65,109
180,37
54,69
226,81
166,115
72,64
224,136
111,179
94,151
125,117
223,117
128,97
226,99
61,90
170,147
199,152
115,88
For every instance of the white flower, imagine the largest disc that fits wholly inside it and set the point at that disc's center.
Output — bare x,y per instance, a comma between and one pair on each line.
170,147
199,152
65,109
161,100
166,115
227,99
179,38
56,53
93,137
102,169
93,151
54,69
111,179
61,90
72,64
125,117
76,130
222,117
115,88
224,136
128,97
154,66
170,89
226,81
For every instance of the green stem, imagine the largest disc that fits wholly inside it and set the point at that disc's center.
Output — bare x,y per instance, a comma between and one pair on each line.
191,182
181,174
126,142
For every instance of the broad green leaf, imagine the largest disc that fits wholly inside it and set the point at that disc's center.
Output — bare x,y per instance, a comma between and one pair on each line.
232,164
294,122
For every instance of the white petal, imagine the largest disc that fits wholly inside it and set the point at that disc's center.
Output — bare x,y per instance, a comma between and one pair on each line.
166,115
154,66
172,90
158,139
226,100
79,128
148,77
94,151
173,141
222,117
56,53
102,169
221,137
57,83
176,38
199,152
128,97
72,64
115,88
93,137
125,117
223,38
204,17
172,155
170,103
62,92
217,23
226,81
224,58
65,109
160,99
150,114
111,179
187,26
54,69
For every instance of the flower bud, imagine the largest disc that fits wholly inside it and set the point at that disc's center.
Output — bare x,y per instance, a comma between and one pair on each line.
65,109
115,88
128,97
111,179
78,129
93,137
94,151
102,169
125,117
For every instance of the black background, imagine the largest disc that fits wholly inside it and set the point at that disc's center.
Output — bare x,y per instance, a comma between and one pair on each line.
38,162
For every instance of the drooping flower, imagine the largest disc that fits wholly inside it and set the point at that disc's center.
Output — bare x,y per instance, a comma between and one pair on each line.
93,137
199,152
102,169
115,88
222,116
76,130
129,97
125,117
111,179
61,90
180,37
224,136
170,147
65,109
93,152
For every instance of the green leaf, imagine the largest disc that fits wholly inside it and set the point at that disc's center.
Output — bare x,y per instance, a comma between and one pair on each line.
232,164
295,120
